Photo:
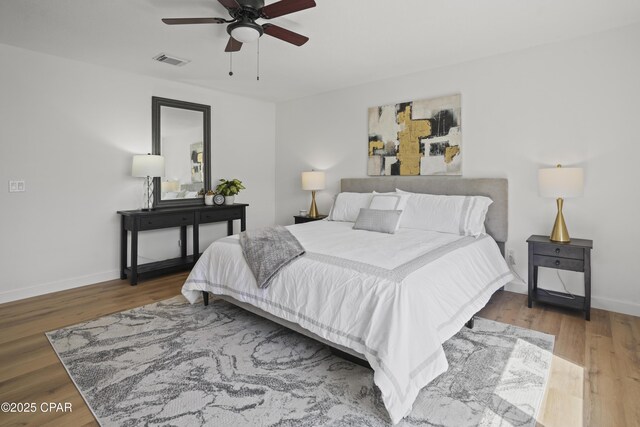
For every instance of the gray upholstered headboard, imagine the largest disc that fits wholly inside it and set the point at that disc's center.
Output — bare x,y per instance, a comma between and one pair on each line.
495,188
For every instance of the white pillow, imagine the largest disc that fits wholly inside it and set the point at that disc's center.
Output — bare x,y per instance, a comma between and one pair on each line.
464,215
346,206
390,202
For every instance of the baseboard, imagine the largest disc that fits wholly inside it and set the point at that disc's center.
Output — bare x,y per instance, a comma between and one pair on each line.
58,285
624,307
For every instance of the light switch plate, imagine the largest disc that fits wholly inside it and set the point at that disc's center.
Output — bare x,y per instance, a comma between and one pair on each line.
16,186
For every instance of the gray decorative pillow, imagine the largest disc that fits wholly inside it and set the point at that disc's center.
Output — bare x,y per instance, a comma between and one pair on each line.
382,221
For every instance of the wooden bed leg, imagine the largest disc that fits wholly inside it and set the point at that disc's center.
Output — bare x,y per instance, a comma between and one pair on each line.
469,324
205,298
349,357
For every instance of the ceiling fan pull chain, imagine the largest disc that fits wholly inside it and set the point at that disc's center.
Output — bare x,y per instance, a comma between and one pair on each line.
231,63
258,72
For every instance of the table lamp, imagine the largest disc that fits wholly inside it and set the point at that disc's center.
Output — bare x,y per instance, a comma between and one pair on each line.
147,166
560,183
313,181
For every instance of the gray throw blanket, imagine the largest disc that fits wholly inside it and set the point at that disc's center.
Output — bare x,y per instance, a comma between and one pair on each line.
268,250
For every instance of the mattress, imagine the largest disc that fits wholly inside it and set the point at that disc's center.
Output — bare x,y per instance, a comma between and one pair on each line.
394,298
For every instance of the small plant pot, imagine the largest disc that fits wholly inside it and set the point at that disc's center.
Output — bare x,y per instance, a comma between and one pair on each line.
228,200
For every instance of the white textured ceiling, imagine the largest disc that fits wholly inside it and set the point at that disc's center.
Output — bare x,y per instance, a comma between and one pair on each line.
351,41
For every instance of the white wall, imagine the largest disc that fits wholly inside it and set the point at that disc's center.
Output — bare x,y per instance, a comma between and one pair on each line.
69,130
575,103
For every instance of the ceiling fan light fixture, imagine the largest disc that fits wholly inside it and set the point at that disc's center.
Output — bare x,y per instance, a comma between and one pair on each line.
245,31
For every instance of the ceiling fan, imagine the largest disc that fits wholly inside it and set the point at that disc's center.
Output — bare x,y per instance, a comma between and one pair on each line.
242,26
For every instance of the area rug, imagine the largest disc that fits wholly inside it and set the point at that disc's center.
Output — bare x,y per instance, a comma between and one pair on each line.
171,363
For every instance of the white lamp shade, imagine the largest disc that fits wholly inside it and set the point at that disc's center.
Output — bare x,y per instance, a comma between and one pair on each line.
561,182
314,180
245,34
147,165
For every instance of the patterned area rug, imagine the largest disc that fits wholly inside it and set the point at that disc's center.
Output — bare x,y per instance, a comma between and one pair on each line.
171,363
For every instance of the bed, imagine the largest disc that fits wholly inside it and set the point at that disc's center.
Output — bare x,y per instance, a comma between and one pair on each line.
389,299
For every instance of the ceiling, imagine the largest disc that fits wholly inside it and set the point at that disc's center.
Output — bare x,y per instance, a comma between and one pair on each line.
351,41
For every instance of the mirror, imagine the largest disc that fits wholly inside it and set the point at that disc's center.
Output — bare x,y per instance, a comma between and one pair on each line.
181,132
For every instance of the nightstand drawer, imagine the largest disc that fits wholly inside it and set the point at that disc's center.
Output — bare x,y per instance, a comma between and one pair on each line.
165,221
560,263
558,251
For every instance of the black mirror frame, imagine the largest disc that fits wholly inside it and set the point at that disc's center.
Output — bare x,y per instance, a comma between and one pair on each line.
156,104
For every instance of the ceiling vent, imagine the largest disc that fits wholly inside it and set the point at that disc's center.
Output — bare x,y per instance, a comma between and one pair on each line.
172,60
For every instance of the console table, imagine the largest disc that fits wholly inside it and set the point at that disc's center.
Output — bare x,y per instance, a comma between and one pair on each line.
138,220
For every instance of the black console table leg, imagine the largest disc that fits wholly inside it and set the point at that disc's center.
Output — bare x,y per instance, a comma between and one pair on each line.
123,249
134,257
470,323
530,280
205,298
587,285
230,227
183,241
196,241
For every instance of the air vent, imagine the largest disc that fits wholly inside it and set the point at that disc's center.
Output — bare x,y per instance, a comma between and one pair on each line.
172,60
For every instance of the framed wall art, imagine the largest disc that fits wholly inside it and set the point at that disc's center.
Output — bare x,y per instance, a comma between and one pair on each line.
416,138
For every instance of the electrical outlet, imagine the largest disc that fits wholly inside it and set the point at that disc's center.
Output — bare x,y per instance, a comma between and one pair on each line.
511,260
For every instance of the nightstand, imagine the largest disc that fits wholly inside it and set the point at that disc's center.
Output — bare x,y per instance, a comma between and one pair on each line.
574,256
299,219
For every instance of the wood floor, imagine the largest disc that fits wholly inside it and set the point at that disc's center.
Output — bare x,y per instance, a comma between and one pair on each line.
595,377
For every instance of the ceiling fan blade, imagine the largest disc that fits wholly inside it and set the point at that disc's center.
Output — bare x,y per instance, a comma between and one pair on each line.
285,7
230,4
233,45
284,34
181,21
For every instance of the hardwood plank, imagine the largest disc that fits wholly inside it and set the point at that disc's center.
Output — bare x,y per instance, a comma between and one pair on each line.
548,320
603,384
572,333
564,396
18,358
626,345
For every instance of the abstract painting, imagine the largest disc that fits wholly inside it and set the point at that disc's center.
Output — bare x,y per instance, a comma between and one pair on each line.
416,138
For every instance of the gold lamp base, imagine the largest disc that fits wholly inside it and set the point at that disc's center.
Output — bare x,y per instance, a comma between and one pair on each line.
559,232
313,210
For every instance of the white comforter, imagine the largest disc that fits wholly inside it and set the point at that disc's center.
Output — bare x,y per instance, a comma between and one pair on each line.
394,298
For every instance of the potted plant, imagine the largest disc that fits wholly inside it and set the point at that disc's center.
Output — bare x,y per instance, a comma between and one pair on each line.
229,189
208,198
